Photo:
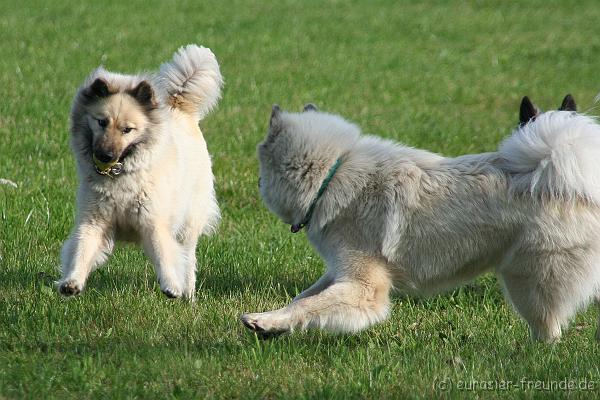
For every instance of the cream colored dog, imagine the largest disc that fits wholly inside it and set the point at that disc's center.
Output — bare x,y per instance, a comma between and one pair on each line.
384,215
144,169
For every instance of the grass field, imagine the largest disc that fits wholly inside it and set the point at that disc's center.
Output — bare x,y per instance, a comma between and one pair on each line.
443,75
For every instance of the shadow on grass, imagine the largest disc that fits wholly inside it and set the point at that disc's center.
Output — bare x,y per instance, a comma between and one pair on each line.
111,278
131,346
230,284
222,281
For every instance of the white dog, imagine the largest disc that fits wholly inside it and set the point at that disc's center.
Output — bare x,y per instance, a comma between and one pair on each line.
144,169
383,215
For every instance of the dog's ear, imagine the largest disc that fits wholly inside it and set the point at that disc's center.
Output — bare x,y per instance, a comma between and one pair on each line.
275,112
144,94
568,104
310,107
527,112
99,88
275,121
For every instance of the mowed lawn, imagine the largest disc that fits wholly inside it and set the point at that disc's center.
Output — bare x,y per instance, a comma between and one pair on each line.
445,76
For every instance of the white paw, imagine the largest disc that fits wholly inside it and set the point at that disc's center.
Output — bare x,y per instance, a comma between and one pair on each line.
171,292
171,289
70,287
267,323
548,336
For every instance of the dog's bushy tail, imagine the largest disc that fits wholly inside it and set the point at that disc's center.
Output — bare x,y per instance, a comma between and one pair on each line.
192,81
557,155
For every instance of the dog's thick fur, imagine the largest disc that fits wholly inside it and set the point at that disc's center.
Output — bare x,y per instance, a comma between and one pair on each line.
398,217
164,196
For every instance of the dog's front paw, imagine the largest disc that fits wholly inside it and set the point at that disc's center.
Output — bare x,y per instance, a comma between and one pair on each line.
70,287
266,324
170,288
171,291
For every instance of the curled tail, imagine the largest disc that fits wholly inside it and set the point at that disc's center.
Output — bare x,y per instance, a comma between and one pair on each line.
191,82
557,155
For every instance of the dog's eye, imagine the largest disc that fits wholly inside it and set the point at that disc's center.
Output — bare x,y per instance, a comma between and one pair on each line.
102,123
126,130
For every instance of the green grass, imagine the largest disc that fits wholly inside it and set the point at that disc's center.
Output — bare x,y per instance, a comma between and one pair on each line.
446,76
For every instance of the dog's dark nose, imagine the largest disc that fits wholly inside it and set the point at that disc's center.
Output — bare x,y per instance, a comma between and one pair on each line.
104,156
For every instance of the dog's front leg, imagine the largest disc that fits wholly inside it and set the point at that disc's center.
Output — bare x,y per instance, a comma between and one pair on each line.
168,258
343,307
87,247
322,283
348,304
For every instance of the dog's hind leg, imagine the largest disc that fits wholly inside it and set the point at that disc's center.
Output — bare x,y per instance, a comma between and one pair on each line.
354,300
168,257
87,247
537,284
534,307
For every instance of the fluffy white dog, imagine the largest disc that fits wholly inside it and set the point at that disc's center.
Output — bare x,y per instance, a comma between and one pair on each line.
144,169
383,215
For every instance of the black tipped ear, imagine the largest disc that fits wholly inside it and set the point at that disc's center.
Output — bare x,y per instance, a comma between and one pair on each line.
527,111
310,107
99,88
568,104
275,116
144,94
275,123
275,110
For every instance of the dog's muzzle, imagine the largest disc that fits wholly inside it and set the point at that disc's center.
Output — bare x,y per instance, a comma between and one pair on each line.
111,168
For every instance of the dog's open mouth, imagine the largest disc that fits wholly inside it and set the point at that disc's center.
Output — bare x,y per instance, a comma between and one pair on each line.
115,167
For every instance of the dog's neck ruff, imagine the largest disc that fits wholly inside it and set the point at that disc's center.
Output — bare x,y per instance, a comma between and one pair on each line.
311,209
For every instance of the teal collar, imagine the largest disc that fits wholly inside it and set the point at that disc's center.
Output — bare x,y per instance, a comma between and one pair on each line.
297,227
